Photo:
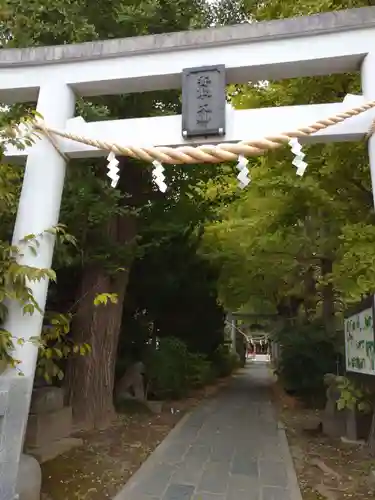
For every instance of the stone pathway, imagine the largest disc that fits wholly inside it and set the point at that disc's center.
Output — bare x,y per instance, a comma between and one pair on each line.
230,448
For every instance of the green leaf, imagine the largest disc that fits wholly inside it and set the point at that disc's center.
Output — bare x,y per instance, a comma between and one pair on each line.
29,309
104,298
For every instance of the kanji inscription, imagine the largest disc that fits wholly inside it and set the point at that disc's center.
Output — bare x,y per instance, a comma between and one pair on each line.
203,101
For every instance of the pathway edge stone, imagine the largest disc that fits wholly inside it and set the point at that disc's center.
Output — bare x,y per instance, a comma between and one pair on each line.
291,470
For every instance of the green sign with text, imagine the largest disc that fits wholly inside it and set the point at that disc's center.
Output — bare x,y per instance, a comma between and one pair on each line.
359,342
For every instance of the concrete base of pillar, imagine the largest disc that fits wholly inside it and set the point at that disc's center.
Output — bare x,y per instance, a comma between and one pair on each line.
53,449
29,479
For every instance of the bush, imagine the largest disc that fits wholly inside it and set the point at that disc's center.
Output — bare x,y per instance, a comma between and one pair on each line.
307,354
225,361
167,369
200,371
172,370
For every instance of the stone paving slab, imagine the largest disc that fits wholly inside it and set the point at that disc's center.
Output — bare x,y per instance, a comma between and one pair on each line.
230,448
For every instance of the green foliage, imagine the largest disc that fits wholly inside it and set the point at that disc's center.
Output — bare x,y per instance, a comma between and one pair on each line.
15,278
298,247
199,370
286,237
307,354
277,9
56,346
273,242
88,204
104,221
90,207
227,12
58,21
224,361
105,298
269,242
167,369
352,396
174,290
173,370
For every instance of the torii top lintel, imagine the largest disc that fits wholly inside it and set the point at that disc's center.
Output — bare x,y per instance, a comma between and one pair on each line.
333,42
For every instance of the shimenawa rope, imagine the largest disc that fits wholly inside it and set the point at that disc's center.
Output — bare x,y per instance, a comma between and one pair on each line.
205,153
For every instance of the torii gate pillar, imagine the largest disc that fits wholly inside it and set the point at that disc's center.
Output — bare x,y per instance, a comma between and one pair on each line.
368,87
38,210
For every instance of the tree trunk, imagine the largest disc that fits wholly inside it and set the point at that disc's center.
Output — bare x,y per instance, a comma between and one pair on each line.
310,293
371,438
90,379
328,297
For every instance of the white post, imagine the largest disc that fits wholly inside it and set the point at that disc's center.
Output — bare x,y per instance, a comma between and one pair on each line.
368,87
38,210
233,335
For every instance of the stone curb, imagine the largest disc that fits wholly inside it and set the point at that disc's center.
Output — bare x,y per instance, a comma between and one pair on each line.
294,488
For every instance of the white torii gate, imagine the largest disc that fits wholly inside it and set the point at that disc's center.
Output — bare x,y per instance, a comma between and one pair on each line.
306,46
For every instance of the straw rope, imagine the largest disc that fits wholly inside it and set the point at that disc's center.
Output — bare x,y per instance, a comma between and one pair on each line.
371,132
207,153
